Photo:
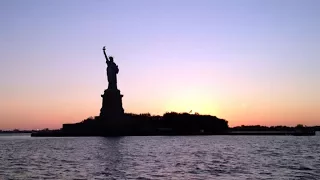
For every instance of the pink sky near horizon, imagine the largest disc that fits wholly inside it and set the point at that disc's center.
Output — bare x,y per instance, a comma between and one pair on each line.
244,61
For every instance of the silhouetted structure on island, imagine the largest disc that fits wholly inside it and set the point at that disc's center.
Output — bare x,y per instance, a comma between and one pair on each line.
111,99
112,120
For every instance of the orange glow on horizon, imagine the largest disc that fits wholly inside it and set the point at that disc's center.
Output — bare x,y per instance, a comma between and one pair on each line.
192,99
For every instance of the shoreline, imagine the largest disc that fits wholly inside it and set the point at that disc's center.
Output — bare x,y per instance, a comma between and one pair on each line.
60,133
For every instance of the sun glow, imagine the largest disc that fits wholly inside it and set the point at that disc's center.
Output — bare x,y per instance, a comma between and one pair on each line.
195,100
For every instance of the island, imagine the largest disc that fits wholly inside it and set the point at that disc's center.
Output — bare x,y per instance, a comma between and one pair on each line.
113,121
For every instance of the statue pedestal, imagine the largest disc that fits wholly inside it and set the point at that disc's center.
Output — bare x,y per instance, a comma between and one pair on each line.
111,105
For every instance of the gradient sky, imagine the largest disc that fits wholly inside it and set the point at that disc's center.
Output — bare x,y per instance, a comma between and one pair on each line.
247,61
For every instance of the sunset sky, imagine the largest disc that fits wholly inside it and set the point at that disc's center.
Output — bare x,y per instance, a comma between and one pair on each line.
246,61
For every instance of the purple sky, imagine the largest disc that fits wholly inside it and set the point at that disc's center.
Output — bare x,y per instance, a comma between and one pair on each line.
249,62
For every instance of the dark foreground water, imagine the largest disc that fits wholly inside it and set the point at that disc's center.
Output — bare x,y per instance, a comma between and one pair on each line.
179,157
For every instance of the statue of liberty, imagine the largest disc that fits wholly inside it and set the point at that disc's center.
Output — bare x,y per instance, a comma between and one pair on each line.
112,71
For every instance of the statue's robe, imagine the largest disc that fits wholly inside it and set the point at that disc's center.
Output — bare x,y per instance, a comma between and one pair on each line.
112,71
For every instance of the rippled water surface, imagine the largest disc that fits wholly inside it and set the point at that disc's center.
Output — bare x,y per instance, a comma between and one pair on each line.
159,157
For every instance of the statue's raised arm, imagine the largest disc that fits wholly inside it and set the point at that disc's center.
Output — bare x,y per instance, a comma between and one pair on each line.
104,52
112,70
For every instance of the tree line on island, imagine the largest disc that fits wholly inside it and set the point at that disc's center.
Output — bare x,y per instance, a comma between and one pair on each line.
169,123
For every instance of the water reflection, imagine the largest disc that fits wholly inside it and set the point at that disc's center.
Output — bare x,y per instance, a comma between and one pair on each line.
178,157
109,156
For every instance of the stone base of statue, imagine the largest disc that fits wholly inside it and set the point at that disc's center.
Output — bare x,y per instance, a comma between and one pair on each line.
111,105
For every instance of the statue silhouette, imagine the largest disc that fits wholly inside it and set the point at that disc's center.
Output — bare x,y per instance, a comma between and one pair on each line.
112,71
111,99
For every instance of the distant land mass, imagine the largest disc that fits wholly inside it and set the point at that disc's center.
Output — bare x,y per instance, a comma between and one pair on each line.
242,128
169,124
